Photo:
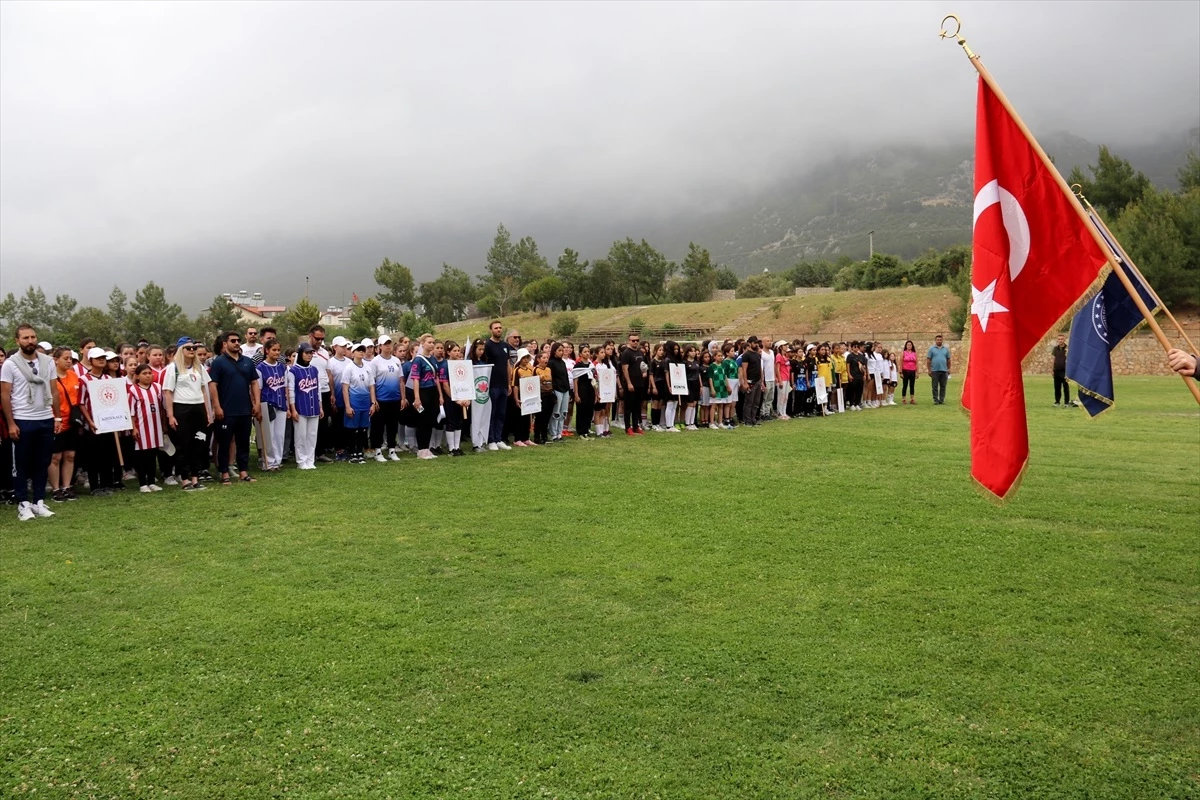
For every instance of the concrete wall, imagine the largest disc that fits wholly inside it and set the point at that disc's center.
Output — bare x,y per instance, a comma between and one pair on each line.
723,294
801,290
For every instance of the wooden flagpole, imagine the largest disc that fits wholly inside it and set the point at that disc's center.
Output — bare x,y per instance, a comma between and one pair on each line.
1137,272
987,78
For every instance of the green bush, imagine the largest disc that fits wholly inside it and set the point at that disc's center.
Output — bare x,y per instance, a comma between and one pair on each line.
636,324
670,327
564,325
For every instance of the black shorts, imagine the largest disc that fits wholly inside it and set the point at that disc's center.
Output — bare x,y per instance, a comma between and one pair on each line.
66,441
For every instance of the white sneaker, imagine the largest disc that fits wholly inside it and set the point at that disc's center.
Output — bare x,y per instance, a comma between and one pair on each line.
380,457
712,426
426,455
493,446
25,511
692,428
154,487
171,481
504,445
145,490
40,510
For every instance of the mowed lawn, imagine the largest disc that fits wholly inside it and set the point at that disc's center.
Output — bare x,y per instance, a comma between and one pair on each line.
820,608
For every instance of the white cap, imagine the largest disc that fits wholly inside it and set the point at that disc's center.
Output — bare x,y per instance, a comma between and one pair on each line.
95,352
340,341
522,353
45,346
110,355
365,343
384,339
74,356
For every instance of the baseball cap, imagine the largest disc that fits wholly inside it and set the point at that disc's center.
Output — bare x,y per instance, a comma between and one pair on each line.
359,346
340,341
74,356
184,340
110,355
45,345
305,347
365,343
95,352
384,339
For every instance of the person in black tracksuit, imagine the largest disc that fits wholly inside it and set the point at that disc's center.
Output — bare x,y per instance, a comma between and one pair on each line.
1061,388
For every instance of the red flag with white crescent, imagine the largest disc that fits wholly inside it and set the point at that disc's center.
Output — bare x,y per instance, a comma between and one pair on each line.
1032,258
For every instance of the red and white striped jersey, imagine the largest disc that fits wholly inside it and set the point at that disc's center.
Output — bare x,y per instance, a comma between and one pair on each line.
145,403
159,374
80,370
85,396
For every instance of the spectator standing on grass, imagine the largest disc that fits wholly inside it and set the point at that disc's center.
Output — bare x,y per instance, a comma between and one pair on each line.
1058,356
750,376
499,354
632,377
66,432
29,397
908,373
272,376
937,365
320,360
185,398
304,405
234,391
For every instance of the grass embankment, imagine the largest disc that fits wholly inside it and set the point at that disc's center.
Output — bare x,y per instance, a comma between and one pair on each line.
819,608
913,309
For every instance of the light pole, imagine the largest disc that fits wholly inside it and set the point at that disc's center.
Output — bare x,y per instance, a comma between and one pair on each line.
871,244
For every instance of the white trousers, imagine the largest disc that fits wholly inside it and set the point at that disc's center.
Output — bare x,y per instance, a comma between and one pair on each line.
304,440
274,431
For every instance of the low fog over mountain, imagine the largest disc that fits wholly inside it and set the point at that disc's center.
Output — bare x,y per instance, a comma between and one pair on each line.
215,147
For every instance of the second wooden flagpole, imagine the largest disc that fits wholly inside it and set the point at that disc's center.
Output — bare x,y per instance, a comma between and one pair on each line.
1062,184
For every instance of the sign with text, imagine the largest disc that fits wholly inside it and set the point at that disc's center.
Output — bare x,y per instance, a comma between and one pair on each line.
110,405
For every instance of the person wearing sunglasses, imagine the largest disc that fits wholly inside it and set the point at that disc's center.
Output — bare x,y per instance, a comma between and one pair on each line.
234,392
185,389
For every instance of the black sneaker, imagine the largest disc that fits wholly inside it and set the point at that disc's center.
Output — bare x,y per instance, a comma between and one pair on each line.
101,493
69,494
206,476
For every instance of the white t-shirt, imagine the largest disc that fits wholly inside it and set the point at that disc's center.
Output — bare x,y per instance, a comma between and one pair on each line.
768,366
251,350
320,360
22,407
188,388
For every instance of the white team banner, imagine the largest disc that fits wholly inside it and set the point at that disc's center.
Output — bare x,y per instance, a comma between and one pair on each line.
679,379
839,399
607,377
110,405
878,383
822,390
462,380
531,395
481,409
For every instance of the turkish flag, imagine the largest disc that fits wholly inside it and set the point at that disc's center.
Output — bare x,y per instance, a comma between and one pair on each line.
1032,258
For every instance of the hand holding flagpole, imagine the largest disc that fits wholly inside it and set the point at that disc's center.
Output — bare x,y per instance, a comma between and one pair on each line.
1092,230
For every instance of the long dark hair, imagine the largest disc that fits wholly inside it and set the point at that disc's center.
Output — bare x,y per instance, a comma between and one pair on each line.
908,345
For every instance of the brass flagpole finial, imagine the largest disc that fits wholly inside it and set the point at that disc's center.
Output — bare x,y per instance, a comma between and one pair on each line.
946,33
1077,189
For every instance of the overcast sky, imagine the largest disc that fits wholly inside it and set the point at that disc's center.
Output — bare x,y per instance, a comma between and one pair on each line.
149,140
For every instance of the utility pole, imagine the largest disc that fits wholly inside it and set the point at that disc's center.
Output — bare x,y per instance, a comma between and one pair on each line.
305,287
871,243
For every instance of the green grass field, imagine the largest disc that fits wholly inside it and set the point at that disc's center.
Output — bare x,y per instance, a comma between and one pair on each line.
820,608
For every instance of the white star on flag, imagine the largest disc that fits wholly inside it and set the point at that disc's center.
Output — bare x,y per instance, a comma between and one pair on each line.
983,304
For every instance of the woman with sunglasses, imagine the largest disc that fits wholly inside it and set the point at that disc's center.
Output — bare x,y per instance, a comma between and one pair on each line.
185,389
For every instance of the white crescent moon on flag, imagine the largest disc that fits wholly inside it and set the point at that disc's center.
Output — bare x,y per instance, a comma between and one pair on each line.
1015,223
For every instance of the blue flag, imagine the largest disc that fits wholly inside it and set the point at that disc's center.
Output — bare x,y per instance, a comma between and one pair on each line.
1098,327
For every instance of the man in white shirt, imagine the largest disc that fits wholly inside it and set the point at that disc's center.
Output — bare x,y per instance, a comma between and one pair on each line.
29,397
251,347
768,371
320,360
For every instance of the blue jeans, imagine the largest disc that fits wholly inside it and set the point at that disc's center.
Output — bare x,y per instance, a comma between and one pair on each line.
559,419
499,395
32,452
